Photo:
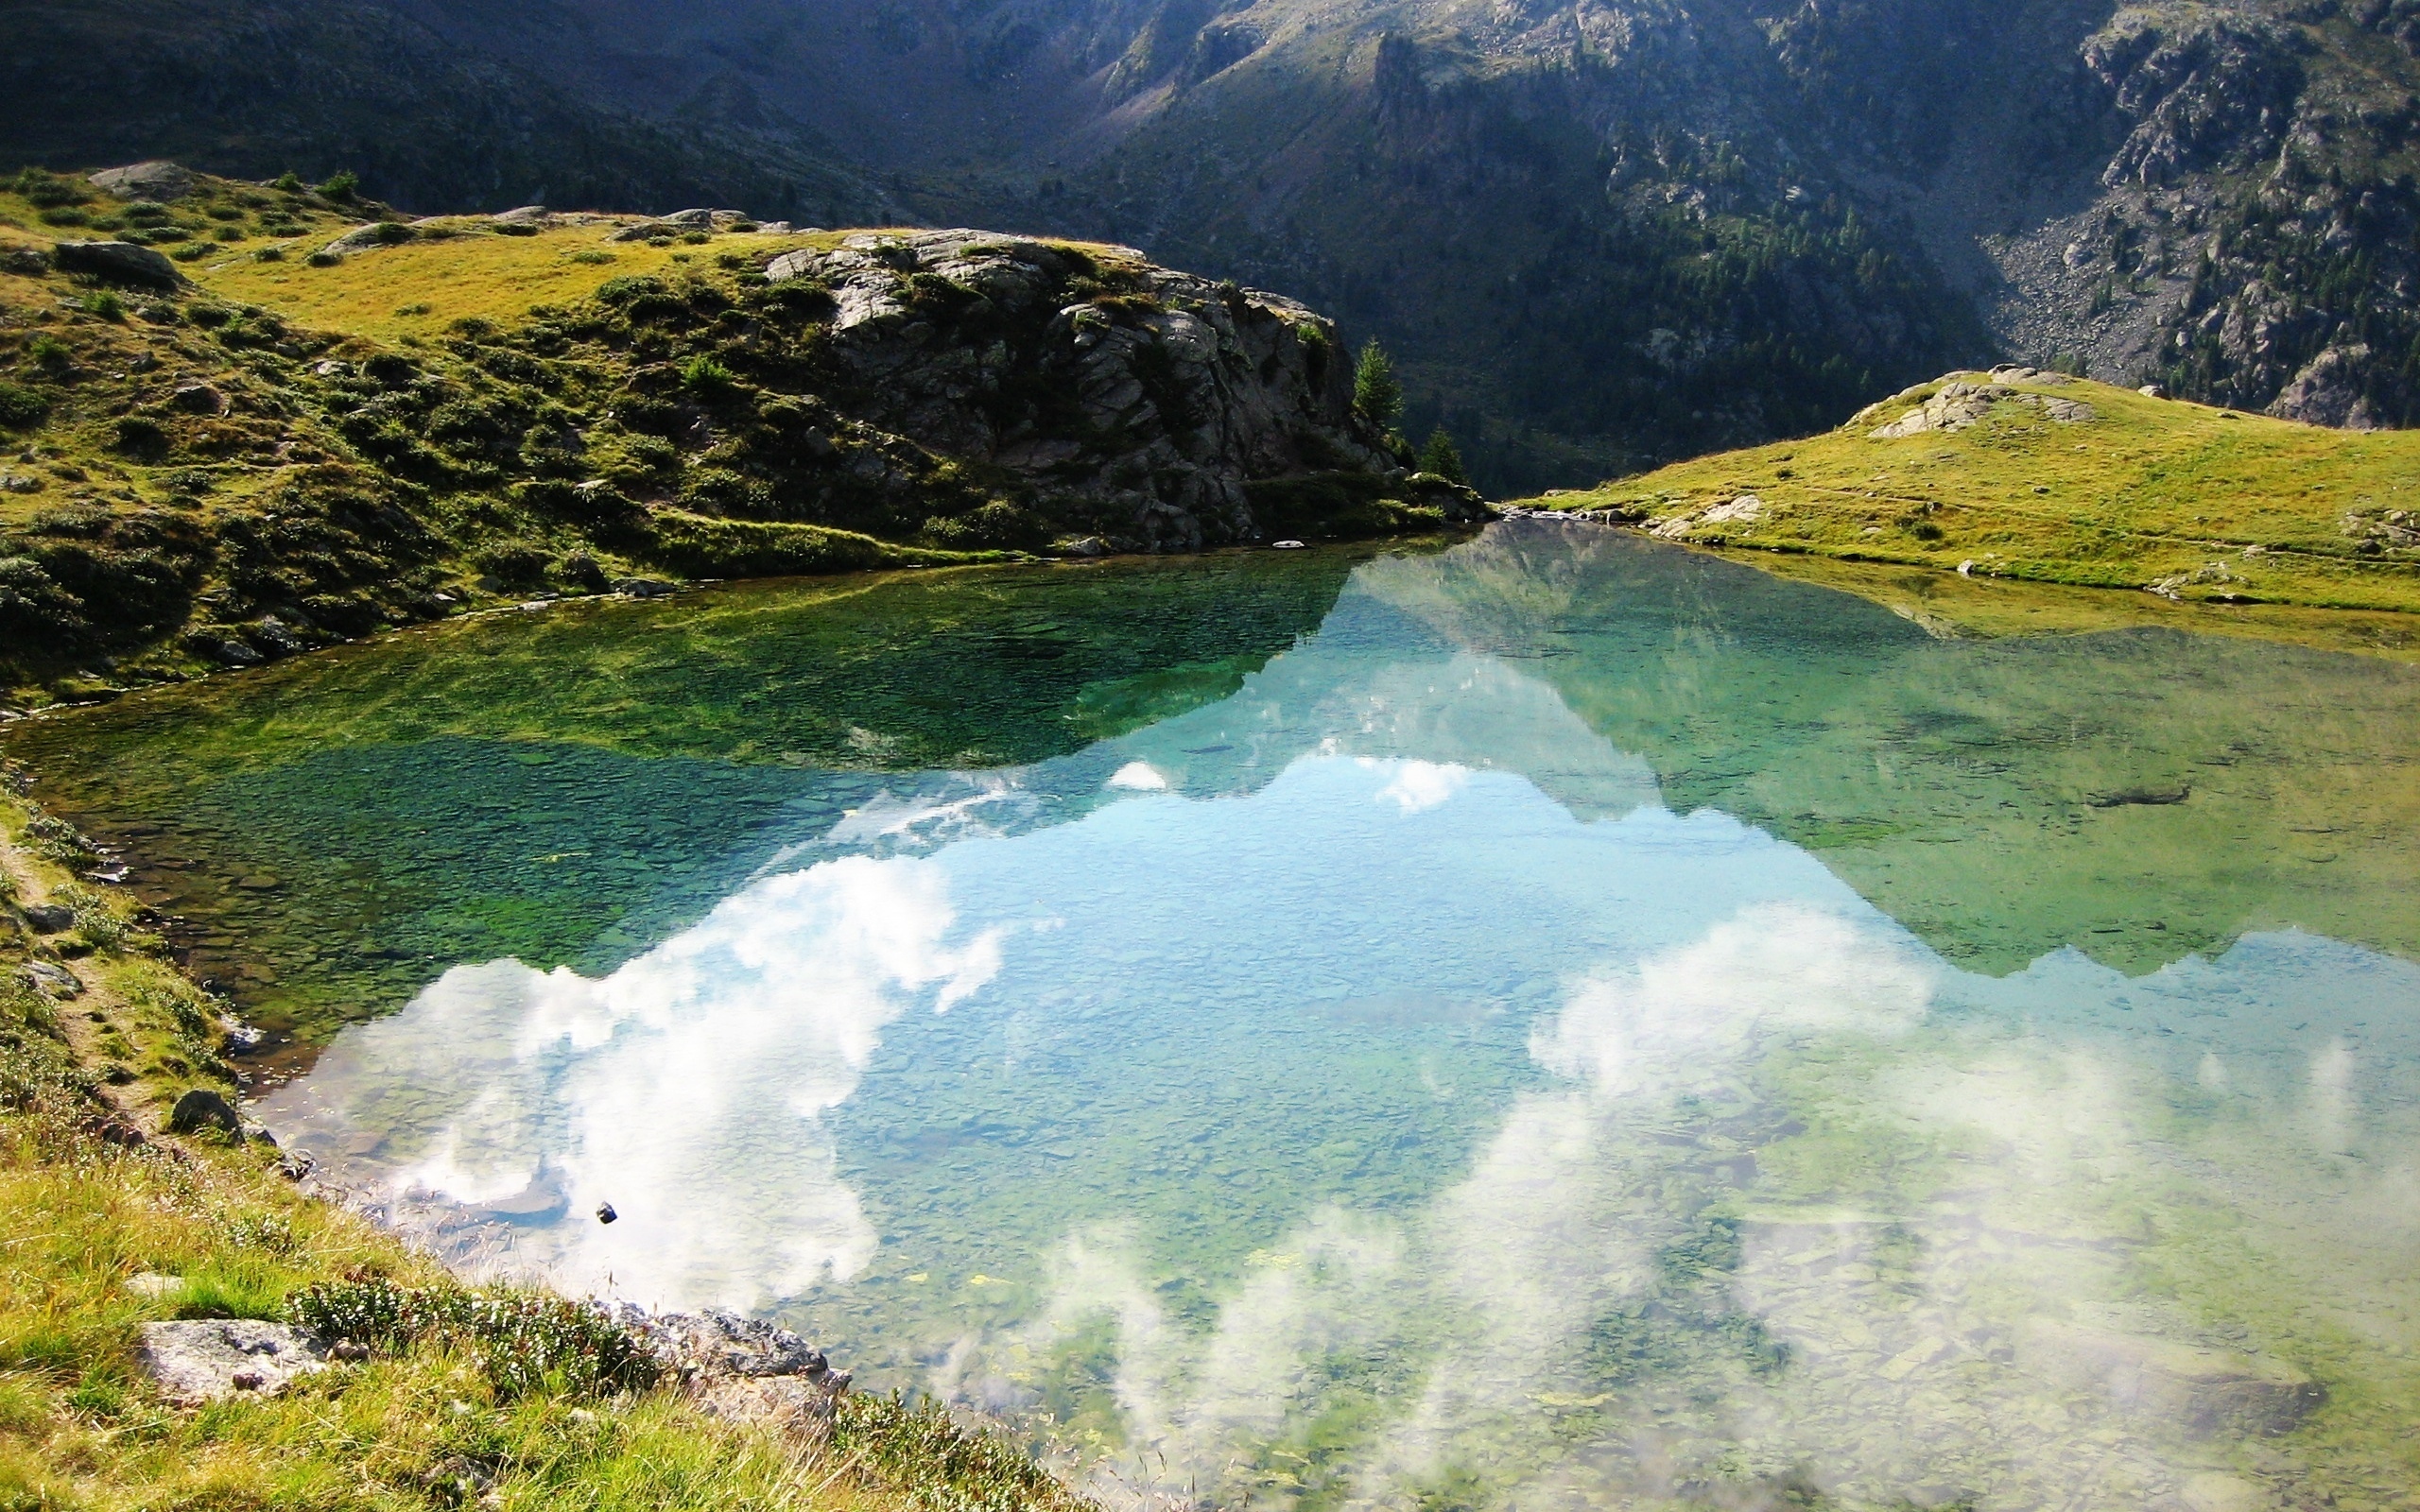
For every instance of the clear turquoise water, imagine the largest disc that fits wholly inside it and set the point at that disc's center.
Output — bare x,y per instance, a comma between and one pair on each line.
1569,1023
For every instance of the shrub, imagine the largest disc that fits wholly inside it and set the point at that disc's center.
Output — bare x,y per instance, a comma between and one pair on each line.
140,436
529,1340
702,374
270,255
47,190
49,352
341,186
20,406
194,253
106,304
323,259
591,256
64,216
290,182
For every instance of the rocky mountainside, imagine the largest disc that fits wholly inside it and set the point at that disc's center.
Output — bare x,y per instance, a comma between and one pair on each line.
256,88
242,420
1600,234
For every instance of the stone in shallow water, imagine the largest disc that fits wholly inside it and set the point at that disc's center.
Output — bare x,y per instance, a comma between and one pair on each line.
2202,1391
212,1358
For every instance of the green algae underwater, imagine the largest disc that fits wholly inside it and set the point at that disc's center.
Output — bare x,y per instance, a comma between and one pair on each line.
1560,1021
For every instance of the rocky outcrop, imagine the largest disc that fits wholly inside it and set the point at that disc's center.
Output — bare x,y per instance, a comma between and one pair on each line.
1122,396
2329,391
740,1369
208,1359
1957,405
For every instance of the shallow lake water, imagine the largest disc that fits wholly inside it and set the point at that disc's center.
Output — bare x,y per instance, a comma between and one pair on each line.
1556,1022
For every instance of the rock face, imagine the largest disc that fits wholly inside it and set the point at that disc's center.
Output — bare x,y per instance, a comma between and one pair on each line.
2328,392
213,1358
1126,398
120,262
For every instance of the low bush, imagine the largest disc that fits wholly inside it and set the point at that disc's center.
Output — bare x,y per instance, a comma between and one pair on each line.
528,1341
20,406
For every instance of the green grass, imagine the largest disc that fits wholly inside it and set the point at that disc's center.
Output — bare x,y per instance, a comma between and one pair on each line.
507,1398
2193,503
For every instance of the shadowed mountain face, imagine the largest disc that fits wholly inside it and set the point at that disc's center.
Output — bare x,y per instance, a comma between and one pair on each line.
1596,235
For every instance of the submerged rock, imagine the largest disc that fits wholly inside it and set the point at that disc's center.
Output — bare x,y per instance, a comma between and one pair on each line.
2202,1391
209,1359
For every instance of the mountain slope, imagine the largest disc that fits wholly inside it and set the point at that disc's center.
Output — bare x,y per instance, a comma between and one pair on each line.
256,88
1597,235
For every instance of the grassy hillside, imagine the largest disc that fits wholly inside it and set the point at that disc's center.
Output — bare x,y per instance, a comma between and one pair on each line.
298,446
2038,477
94,1197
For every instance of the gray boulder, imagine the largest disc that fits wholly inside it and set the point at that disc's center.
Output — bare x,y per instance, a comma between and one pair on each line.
119,261
53,980
523,215
50,919
209,1359
161,181
369,237
202,1109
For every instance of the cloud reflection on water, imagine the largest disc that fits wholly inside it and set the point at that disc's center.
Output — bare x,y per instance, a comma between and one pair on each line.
687,1088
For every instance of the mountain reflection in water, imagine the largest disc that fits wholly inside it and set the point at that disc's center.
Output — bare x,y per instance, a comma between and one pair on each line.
1754,1054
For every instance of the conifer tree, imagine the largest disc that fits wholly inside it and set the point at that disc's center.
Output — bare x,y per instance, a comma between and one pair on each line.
1442,456
1376,392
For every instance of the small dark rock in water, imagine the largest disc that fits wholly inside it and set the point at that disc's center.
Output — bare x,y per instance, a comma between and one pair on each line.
203,1108
2126,797
605,1212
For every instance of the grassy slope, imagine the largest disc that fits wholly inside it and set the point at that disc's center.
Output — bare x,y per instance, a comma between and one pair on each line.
80,1216
259,322
2196,502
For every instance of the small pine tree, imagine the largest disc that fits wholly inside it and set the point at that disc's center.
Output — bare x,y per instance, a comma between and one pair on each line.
1442,456
1375,393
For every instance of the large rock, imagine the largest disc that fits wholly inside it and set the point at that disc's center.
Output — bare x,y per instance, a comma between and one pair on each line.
2202,1391
739,1369
208,1359
202,1108
163,182
119,261
1184,390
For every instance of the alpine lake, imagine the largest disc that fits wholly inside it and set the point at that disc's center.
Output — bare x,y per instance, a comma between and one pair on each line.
1552,1021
